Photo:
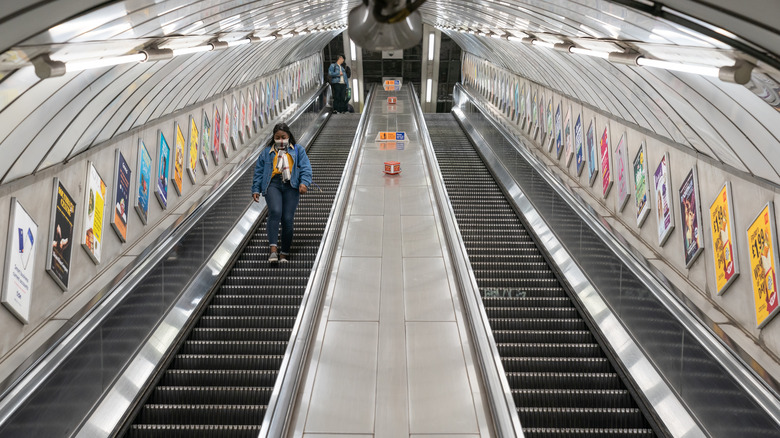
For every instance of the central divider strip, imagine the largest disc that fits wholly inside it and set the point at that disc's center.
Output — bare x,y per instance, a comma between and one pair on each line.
282,400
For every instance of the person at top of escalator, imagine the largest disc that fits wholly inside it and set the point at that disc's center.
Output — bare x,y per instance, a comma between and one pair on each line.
282,174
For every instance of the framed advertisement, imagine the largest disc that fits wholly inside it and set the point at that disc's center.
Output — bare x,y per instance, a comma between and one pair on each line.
558,132
568,138
541,122
178,163
58,253
664,210
241,118
122,175
528,110
247,125
216,139
762,242
579,139
234,138
204,143
641,186
621,164
606,162
690,216
550,125
163,161
521,119
256,111
95,206
534,115
225,127
194,141
724,248
144,173
19,266
593,154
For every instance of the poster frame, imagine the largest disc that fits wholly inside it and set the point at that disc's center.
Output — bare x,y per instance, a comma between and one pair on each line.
663,236
568,139
607,178
234,136
161,192
141,153
95,258
643,211
769,207
178,157
550,125
692,176
579,141
592,155
241,117
623,179
192,165
225,128
734,248
118,157
558,132
22,315
216,138
206,143
52,227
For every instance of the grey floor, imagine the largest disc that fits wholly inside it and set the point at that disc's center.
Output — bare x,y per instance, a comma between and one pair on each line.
391,356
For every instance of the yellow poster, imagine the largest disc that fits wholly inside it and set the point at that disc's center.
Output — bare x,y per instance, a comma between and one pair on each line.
178,167
193,167
763,264
723,248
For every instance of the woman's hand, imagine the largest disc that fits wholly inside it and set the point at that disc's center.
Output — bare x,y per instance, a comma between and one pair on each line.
256,197
302,189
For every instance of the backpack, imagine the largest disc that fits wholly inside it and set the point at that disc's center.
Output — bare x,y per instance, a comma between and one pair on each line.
348,70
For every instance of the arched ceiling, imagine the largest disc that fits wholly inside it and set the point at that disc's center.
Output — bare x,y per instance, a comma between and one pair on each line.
47,121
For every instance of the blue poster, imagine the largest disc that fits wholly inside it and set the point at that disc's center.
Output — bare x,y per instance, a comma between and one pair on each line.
144,181
579,145
163,159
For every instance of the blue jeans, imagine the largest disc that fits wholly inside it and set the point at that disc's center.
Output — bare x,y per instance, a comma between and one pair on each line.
282,200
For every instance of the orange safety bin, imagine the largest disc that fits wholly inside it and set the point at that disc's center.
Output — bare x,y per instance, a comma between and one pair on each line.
391,99
392,167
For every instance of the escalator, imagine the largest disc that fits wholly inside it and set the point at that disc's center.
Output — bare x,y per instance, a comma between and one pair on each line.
220,380
562,382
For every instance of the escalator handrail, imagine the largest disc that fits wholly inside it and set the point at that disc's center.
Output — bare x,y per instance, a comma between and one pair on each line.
282,401
499,394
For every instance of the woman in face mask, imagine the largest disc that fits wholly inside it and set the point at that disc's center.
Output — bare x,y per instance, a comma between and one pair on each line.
282,174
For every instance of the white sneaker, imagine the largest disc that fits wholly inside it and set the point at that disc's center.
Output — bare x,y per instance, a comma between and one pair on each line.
274,257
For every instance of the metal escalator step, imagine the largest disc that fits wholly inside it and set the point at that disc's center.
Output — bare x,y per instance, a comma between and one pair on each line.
234,347
173,377
250,310
240,334
256,300
192,431
261,289
549,350
203,414
537,324
544,336
246,321
531,312
586,433
573,398
227,361
546,380
198,395
592,418
514,301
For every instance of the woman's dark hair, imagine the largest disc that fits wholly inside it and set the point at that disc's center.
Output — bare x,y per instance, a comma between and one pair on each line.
282,127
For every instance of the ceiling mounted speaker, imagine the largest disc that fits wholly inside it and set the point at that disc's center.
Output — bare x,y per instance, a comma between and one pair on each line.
372,34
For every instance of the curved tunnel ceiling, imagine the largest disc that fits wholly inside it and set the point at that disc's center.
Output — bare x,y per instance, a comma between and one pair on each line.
45,122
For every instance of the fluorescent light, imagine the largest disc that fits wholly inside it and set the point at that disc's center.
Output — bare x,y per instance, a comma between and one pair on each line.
103,62
428,91
514,39
588,52
288,35
543,44
704,70
268,38
239,42
196,49
352,50
495,35
355,94
431,41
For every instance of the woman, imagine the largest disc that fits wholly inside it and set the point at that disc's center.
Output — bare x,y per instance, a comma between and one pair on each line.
282,174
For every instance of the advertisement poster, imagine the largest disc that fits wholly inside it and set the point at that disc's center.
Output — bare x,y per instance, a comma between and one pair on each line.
663,212
724,249
204,143
641,186
579,141
178,164
528,110
541,122
242,118
568,138
248,119
535,114
217,137
163,160
521,116
192,168
256,112
95,203
621,164
550,126
58,254
593,155
121,195
763,263
234,139
606,162
19,262
693,243
144,181
558,132
225,128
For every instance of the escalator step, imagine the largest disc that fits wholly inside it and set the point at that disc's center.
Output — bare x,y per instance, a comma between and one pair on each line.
203,414
192,430
235,395
183,377
611,418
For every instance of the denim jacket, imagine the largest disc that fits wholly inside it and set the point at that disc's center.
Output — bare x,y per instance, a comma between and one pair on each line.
301,169
333,71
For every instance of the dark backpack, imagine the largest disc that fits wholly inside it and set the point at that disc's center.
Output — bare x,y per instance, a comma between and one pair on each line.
348,70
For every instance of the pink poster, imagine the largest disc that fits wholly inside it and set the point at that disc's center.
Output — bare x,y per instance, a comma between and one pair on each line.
606,163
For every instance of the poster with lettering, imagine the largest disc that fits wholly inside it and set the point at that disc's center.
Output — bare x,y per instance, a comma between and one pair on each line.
568,138
724,249
241,118
144,181
558,132
550,125
217,137
529,105
58,253
621,164
762,242
225,127
234,125
535,114
256,124
19,262
579,141
178,163
541,121
194,139
593,153
204,143
693,244
606,162
163,161
122,175
522,117
663,212
94,205
641,186
248,117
